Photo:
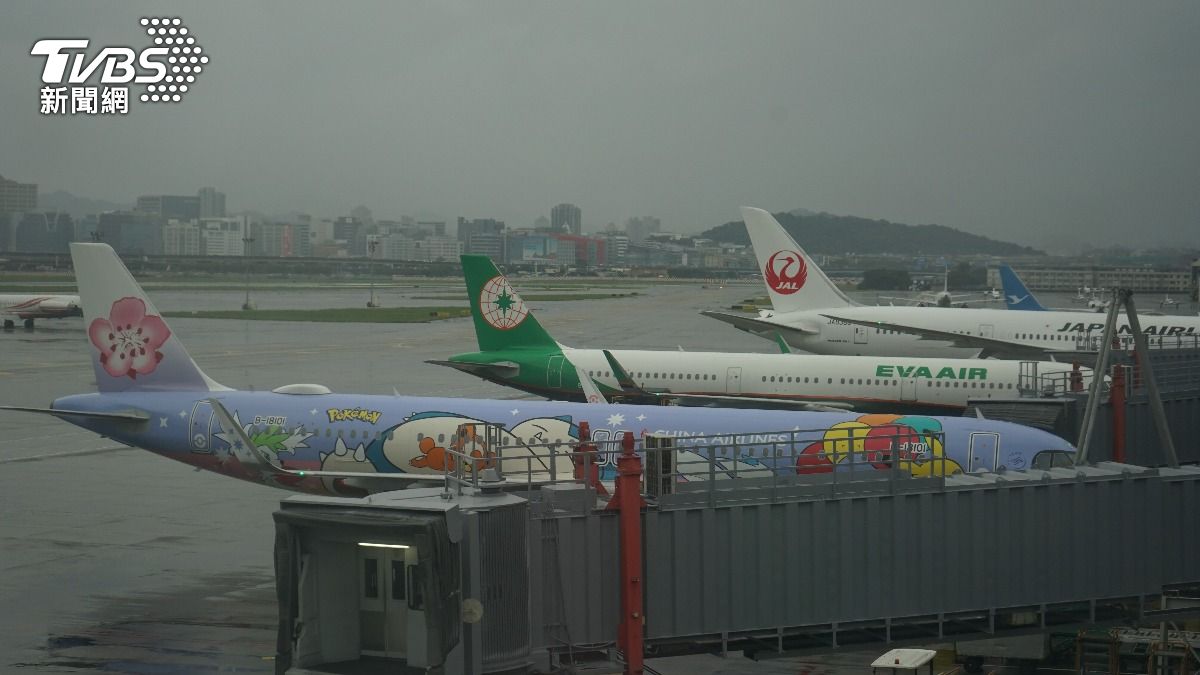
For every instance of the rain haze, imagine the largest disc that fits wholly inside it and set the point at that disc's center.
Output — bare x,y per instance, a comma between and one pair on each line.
1041,123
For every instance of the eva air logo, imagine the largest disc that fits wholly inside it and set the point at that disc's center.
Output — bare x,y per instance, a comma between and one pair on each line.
500,305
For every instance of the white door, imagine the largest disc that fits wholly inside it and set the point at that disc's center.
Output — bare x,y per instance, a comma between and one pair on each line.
201,427
860,335
733,381
984,451
383,600
986,330
908,389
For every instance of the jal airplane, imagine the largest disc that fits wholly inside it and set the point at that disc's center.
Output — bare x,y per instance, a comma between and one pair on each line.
524,356
812,314
305,437
30,307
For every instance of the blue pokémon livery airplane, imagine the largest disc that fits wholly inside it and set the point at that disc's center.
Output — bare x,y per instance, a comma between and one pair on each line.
304,437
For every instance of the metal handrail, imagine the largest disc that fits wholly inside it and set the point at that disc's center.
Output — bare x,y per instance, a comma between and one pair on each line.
848,455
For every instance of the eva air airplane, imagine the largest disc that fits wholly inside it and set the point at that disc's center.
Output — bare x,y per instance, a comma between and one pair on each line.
304,437
812,314
515,351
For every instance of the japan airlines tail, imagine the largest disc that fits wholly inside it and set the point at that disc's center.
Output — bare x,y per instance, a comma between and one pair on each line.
794,281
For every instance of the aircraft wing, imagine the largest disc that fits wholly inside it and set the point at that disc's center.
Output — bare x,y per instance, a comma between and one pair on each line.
484,370
759,326
762,402
987,346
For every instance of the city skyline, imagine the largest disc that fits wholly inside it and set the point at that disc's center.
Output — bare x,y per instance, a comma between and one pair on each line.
1044,124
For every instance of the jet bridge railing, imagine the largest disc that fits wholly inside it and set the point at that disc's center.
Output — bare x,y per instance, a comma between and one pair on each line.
1031,382
483,456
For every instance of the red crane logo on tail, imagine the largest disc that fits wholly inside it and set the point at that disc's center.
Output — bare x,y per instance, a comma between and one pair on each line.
786,272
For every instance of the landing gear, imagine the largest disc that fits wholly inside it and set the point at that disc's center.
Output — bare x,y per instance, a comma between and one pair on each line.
973,664
29,323
9,325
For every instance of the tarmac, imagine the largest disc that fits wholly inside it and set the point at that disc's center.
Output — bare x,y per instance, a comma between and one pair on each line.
113,559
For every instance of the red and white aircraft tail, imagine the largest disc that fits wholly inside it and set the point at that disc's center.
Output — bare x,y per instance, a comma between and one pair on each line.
794,282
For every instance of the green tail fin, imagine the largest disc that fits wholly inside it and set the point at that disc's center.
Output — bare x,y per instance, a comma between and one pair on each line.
502,321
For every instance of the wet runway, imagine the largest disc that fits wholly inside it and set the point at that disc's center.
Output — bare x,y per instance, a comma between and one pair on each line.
116,560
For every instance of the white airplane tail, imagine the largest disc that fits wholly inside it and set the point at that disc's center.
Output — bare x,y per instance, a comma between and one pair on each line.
793,280
132,349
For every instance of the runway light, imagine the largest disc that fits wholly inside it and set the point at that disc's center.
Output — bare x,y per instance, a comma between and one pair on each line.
372,545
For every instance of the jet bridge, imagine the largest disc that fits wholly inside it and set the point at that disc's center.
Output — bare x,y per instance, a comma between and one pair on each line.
506,575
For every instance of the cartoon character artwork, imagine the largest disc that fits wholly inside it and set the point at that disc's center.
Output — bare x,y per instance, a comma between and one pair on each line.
129,339
914,442
422,444
271,439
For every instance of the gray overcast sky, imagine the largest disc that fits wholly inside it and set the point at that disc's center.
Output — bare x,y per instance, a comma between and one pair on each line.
1041,122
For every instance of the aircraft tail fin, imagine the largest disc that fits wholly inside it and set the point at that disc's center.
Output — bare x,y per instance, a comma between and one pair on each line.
502,320
793,280
132,348
1016,295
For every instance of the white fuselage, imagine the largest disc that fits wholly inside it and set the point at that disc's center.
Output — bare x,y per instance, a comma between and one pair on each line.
39,306
861,381
1056,331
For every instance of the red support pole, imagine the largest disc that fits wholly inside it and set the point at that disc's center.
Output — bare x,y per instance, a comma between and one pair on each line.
629,504
586,467
1116,400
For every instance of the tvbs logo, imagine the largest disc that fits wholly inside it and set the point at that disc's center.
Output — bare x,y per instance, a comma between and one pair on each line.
786,272
167,68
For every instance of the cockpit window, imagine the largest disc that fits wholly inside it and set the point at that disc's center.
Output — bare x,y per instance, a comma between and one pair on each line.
1053,459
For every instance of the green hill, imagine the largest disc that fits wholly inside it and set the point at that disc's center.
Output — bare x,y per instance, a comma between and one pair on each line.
827,233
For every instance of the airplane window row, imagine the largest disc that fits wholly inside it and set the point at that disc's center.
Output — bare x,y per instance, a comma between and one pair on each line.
895,383
355,434
659,376
815,380
1041,336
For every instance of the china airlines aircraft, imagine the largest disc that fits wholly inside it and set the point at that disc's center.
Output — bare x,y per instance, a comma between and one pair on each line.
30,307
812,314
304,437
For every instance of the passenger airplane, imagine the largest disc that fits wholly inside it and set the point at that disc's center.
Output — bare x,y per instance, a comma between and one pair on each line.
1018,296
812,314
519,353
304,437
30,307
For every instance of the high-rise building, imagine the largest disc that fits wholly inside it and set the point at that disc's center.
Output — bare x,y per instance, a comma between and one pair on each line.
39,232
566,218
482,236
212,203
131,232
639,229
182,237
281,240
17,197
180,207
223,236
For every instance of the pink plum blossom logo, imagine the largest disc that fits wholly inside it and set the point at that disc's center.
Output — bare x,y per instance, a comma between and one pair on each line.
129,339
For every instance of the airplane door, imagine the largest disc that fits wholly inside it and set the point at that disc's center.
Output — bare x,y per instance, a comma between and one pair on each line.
200,427
908,389
860,335
985,448
986,330
383,601
554,371
733,381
